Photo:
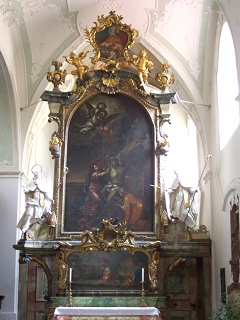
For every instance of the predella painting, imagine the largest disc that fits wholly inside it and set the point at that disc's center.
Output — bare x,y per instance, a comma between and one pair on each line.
108,270
111,165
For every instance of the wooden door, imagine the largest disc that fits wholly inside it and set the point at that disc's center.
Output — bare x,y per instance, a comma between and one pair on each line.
184,288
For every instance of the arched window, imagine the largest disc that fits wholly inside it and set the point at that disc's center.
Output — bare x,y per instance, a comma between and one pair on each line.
227,85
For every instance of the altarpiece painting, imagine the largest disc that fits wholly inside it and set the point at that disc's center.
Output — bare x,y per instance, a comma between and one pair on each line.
110,163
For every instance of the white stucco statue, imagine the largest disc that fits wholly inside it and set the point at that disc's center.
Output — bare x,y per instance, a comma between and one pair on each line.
38,203
182,203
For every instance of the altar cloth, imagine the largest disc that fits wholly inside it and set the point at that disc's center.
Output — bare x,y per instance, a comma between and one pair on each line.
107,311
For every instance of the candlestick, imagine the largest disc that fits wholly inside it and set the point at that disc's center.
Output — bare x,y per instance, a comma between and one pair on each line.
143,304
70,302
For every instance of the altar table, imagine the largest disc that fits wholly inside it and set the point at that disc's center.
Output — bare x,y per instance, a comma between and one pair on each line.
107,313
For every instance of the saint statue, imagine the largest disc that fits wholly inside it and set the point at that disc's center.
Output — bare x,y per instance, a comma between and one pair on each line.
38,205
182,203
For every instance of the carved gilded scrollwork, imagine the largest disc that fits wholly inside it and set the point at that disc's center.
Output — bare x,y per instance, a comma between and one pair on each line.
110,38
110,236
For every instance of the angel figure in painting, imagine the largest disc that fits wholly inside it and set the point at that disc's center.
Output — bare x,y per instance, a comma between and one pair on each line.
38,204
76,60
98,118
144,64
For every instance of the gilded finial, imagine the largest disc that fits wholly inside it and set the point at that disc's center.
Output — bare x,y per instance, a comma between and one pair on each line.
164,79
57,76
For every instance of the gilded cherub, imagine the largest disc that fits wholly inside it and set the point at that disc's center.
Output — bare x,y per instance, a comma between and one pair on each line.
76,60
144,64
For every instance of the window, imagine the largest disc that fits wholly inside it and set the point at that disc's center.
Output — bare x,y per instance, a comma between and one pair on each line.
227,83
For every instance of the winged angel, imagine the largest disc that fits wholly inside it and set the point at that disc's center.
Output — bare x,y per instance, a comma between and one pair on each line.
99,119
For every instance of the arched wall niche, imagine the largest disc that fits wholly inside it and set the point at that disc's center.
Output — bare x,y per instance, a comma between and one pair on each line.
231,193
8,122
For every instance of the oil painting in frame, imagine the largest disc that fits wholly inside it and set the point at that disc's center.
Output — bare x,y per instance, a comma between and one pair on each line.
111,42
114,271
110,161
111,39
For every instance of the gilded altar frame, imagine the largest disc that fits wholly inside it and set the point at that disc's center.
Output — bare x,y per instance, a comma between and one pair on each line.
110,114
98,37
105,243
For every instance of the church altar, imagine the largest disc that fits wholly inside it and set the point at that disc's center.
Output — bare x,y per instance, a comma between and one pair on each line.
112,125
107,313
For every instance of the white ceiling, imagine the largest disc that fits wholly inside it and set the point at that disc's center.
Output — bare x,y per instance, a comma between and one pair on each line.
171,30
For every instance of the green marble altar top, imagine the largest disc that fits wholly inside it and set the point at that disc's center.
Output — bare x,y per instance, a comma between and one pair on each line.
110,301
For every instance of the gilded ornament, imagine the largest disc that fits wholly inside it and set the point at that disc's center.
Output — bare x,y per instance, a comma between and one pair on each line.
57,77
164,79
111,39
54,146
110,236
110,81
136,89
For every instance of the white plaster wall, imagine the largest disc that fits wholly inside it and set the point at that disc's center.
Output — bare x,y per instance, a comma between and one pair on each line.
224,165
12,51
9,199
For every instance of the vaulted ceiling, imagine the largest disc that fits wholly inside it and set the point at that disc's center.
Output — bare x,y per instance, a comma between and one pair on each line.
176,31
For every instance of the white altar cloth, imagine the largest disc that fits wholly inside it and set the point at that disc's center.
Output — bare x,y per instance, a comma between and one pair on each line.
107,311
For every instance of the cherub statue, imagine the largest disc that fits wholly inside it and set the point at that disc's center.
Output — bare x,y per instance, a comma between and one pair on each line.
38,205
144,64
76,60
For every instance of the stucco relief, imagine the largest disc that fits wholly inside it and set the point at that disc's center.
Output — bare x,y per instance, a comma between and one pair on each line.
43,39
111,4
167,22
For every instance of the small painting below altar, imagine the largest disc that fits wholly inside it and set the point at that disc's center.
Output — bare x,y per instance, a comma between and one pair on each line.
108,270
